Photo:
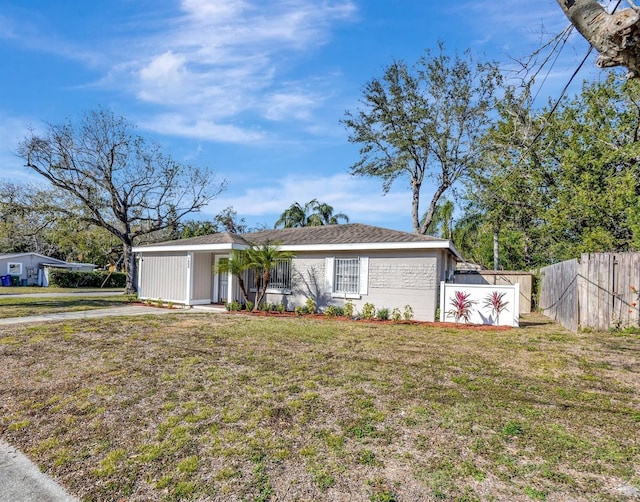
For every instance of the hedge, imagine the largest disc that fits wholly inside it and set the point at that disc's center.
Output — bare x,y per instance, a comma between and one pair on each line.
62,278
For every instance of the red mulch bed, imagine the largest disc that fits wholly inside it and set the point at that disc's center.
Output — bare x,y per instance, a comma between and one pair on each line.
478,327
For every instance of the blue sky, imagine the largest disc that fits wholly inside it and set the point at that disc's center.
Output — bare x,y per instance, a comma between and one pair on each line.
254,89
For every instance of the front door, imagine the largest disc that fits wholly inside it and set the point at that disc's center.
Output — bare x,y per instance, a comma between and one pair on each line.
223,284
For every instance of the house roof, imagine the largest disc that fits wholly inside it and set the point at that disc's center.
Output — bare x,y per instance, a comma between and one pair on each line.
350,236
13,256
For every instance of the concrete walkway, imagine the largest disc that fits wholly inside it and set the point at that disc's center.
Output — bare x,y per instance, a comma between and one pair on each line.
20,479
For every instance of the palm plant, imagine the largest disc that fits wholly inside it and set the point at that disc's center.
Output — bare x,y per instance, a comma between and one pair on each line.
237,264
496,302
323,214
262,259
294,216
312,214
442,223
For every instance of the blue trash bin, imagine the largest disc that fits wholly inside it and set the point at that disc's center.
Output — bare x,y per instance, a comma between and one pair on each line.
6,280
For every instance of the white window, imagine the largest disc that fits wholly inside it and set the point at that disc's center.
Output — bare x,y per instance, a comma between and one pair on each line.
14,268
347,277
280,276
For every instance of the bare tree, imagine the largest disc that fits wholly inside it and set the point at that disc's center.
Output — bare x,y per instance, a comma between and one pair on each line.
120,181
615,36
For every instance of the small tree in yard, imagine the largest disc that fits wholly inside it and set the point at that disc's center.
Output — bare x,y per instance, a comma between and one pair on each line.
237,264
262,259
120,181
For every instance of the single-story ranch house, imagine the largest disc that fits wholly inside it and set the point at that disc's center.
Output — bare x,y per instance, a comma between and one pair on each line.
331,264
32,269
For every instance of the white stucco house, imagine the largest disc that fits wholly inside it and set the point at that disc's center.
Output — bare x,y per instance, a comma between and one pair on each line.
331,264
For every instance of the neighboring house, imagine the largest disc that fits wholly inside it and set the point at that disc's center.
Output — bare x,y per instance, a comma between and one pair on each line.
32,269
331,264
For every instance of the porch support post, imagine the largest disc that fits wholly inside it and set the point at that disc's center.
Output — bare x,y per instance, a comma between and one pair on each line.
188,296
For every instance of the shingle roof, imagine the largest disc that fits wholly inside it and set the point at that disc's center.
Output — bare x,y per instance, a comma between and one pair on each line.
350,233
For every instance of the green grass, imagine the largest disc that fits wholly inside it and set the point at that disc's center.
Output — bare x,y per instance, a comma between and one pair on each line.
31,306
226,407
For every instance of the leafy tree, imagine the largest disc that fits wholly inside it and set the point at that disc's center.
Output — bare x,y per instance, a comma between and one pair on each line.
227,221
594,175
312,214
117,179
194,228
262,259
423,122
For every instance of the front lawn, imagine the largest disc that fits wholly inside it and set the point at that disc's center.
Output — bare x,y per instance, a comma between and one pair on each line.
221,407
30,306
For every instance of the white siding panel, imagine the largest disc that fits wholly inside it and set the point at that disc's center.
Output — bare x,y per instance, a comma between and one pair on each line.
202,277
164,276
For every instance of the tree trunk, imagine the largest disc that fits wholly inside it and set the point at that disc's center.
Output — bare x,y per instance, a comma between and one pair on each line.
496,249
131,269
615,36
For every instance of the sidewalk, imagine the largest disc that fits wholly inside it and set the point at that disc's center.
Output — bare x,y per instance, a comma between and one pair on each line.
125,310
22,481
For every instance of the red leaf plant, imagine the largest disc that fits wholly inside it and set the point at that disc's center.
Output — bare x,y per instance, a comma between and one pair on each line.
462,306
496,302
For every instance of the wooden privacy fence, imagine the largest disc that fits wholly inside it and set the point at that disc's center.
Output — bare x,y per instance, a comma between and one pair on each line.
599,291
501,278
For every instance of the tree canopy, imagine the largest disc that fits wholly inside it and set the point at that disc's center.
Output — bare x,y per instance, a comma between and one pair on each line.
424,122
116,179
312,214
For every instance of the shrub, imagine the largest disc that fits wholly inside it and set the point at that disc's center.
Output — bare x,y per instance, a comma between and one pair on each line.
348,309
249,306
63,278
396,315
227,307
311,305
333,311
280,308
368,311
382,314
233,306
300,310
265,307
408,313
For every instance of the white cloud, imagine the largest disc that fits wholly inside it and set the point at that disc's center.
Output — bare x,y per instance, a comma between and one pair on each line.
200,128
223,58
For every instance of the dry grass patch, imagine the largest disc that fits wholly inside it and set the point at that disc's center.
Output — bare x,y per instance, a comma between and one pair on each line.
30,306
218,407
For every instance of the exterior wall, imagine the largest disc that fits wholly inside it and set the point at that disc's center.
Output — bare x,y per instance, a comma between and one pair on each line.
31,263
202,278
163,276
395,279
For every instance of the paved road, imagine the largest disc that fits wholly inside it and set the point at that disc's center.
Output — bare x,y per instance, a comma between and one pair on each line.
20,479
